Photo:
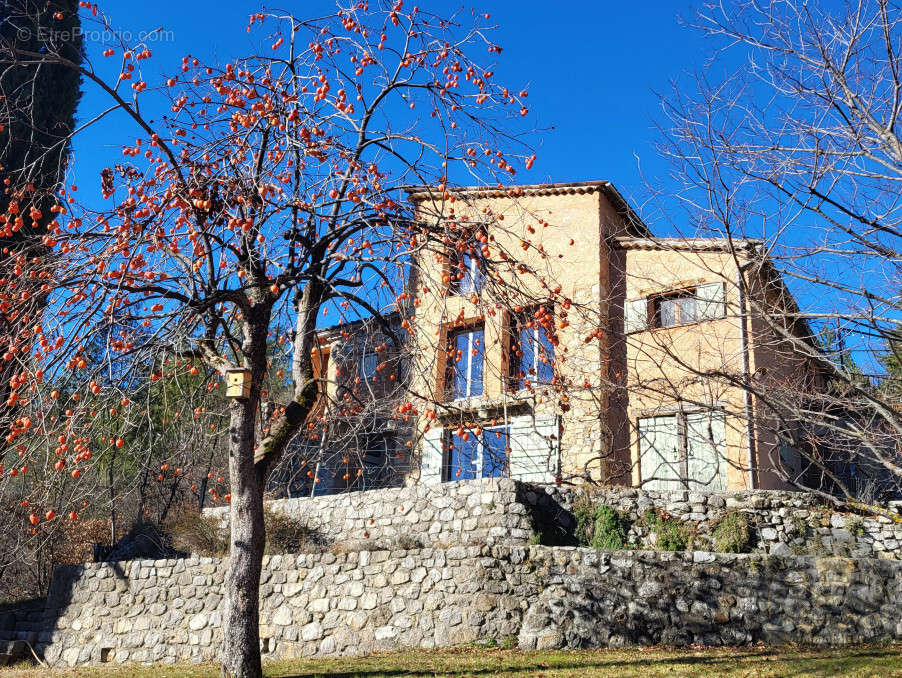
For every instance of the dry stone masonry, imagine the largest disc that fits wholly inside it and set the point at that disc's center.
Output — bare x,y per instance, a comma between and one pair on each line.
780,523
536,596
471,512
494,511
442,565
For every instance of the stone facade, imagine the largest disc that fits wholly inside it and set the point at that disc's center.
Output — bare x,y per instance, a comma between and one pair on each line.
572,249
536,596
640,393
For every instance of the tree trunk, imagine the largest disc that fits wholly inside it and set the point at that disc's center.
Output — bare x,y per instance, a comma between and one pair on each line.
240,656
241,639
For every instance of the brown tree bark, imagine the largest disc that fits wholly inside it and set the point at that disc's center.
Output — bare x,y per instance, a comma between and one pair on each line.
248,472
241,645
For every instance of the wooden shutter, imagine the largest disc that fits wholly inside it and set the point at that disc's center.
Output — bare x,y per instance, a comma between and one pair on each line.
534,448
706,450
659,449
710,301
432,454
635,315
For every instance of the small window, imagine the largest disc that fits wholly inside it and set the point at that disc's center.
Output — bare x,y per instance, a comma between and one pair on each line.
531,357
707,301
467,273
678,308
466,360
368,367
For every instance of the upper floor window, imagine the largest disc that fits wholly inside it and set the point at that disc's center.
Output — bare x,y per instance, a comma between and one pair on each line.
678,308
703,302
369,366
531,357
467,273
466,362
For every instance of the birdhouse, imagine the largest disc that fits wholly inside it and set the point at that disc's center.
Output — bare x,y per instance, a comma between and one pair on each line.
238,383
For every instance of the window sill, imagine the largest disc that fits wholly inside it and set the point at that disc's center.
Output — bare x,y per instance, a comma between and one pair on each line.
491,404
673,327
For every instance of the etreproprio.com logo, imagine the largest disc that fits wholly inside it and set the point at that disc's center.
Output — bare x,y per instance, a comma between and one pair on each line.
51,35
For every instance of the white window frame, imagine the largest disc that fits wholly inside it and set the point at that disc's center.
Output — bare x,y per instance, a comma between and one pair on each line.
674,297
470,332
473,280
536,360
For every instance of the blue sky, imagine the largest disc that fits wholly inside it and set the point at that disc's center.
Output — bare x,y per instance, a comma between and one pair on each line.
593,69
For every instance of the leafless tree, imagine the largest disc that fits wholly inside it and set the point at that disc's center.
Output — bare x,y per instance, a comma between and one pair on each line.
794,156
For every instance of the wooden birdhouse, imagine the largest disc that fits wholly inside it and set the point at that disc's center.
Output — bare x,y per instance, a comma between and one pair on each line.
238,383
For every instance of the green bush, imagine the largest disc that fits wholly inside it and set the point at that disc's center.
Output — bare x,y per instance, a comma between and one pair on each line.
670,534
609,529
584,513
731,535
600,527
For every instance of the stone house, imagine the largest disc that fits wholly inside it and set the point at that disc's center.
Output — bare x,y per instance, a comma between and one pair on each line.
362,446
648,404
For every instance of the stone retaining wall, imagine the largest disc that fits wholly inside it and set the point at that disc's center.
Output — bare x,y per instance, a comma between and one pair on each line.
22,620
781,523
470,512
494,511
539,596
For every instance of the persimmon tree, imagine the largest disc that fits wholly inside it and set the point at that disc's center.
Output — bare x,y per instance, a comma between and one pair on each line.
268,195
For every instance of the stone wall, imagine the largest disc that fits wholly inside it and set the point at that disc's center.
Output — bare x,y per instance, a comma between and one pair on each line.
492,511
362,601
446,514
22,620
780,523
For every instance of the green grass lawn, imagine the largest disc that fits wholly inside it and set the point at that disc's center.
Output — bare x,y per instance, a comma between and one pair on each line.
881,661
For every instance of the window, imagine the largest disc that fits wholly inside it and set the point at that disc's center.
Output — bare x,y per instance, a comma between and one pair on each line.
703,302
368,367
674,309
473,456
378,451
467,273
683,451
466,359
531,357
